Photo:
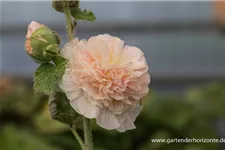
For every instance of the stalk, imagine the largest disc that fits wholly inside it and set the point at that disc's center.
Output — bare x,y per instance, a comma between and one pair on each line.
87,134
86,122
76,135
69,23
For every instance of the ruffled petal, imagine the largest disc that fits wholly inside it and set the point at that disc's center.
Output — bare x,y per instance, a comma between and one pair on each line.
84,107
131,53
115,46
106,119
68,48
126,125
99,50
128,118
78,101
139,68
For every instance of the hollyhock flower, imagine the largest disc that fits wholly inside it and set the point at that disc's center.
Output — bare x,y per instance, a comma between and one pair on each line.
105,80
41,43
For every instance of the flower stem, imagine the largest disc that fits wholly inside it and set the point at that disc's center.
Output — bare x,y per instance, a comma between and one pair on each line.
76,135
70,28
69,23
87,134
87,123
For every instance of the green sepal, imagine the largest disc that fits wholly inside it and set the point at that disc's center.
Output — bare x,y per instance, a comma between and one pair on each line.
38,48
47,35
57,37
79,14
61,110
37,59
51,50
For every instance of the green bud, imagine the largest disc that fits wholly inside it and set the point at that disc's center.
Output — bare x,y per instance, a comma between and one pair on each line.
42,44
58,5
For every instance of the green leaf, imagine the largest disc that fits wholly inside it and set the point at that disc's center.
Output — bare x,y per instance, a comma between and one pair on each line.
79,14
47,75
61,110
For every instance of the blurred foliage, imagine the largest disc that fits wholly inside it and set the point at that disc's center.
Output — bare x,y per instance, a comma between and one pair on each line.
27,124
44,122
61,110
12,138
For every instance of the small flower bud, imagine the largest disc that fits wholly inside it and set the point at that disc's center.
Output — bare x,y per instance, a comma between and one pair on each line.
58,5
41,43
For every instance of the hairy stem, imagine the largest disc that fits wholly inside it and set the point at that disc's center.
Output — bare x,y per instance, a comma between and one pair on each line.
87,134
76,135
87,123
69,23
69,28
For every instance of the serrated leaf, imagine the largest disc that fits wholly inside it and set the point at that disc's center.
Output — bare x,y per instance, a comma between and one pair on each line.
61,110
47,75
79,14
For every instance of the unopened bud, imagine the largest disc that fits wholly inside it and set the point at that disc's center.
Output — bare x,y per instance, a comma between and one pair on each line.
58,5
42,44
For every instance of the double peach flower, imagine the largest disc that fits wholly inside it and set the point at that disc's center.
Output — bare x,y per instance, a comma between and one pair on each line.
105,80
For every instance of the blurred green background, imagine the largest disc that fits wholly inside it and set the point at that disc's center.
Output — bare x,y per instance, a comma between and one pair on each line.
26,123
185,49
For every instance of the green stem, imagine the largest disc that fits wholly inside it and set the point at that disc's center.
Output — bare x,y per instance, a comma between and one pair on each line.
87,123
69,28
69,24
76,135
87,134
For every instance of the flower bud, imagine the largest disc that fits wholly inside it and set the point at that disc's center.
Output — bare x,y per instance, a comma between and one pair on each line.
58,5
42,44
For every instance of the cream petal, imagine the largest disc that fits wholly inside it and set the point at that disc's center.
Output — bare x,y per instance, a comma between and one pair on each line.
136,96
127,121
84,107
77,99
73,94
106,119
118,96
143,82
127,125
90,90
92,111
67,80
134,112
69,87
115,46
100,49
139,69
68,48
97,75
93,91
144,79
94,101
118,107
118,46
77,56
131,53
